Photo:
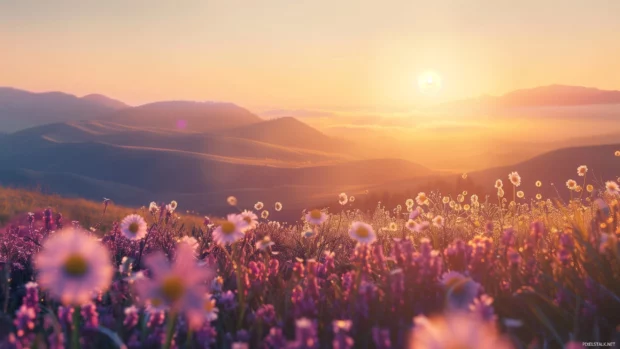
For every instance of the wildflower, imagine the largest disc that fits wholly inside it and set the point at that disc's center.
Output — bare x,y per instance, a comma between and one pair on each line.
515,179
456,330
571,184
153,207
72,266
362,232
341,334
173,205
582,170
264,214
421,199
230,230
232,201
278,206
415,213
179,287
409,203
466,207
499,184
612,188
446,199
343,199
474,198
264,243
589,188
538,184
538,196
133,227
520,194
617,153
500,192
392,226
316,217
438,221
351,198
258,206
250,219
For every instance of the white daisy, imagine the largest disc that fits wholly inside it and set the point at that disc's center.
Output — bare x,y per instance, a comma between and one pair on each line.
362,232
409,203
72,266
582,170
180,286
438,221
173,205
264,243
153,207
316,217
498,184
351,198
264,214
250,218
411,225
278,206
232,201
258,206
421,199
571,184
133,227
230,230
343,198
612,187
515,179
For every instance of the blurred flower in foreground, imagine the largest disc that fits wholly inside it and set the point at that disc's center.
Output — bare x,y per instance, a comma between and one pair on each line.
456,330
362,232
230,230
72,266
179,287
133,227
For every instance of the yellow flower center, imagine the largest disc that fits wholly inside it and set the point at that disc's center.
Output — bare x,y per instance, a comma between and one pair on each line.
362,232
172,288
76,265
315,214
228,227
133,227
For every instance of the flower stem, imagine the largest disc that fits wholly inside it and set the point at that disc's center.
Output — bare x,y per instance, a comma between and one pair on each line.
172,319
75,332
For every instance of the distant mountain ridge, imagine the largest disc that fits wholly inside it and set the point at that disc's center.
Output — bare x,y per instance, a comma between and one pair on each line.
551,95
21,109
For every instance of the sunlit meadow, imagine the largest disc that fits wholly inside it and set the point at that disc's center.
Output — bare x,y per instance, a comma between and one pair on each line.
510,270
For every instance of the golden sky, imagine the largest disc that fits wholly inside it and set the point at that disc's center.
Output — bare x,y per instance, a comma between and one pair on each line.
345,54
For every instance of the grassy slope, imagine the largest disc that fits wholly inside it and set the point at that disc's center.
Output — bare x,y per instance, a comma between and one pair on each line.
16,202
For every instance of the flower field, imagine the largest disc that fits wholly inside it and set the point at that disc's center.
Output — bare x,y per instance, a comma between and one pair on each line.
437,271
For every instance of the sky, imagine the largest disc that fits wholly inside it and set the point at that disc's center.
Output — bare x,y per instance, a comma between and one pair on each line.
316,54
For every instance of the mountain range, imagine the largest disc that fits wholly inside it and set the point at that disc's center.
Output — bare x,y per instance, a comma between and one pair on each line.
199,153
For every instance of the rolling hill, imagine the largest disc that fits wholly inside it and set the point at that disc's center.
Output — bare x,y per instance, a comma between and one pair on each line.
183,115
22,109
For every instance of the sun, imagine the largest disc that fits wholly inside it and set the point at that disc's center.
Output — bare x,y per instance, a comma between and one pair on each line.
429,83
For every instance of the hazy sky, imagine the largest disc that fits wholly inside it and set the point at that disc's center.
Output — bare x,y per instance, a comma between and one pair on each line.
350,54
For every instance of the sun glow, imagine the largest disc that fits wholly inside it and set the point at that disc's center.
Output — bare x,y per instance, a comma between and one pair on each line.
429,83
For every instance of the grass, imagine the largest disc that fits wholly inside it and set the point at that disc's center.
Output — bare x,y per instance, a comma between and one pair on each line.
16,202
